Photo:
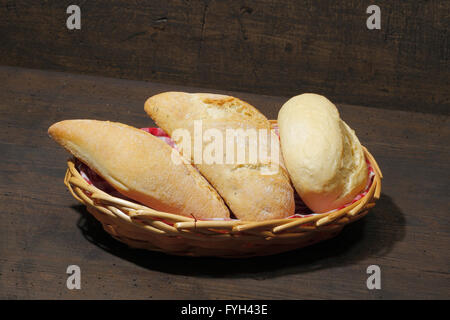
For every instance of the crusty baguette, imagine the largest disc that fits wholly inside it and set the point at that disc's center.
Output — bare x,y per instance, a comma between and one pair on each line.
249,193
140,166
323,156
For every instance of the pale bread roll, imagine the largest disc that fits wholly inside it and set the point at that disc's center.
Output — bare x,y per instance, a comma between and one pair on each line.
250,194
323,156
139,166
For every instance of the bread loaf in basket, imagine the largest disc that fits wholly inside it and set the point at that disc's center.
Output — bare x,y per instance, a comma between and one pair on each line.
142,227
220,233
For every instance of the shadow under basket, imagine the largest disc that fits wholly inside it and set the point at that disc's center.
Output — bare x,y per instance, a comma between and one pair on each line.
142,227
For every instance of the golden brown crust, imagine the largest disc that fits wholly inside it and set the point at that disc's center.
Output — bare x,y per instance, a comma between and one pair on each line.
140,167
250,195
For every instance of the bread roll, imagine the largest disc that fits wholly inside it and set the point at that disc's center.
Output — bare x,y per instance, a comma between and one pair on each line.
323,156
139,166
250,193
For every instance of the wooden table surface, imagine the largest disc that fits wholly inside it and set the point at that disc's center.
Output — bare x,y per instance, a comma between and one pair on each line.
43,229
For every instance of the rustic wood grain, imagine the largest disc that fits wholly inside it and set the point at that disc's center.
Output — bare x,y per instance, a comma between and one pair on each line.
281,47
43,229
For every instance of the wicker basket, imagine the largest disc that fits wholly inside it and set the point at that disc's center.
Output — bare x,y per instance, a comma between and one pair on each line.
141,227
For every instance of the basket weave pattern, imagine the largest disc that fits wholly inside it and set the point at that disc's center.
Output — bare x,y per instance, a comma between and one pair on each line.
142,227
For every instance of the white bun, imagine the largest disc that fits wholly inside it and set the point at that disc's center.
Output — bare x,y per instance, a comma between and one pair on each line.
323,156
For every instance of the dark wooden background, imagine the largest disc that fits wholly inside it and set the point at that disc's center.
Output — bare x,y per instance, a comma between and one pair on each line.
391,86
282,48
43,229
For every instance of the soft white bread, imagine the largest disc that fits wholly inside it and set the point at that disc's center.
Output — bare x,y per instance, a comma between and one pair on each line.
323,156
139,166
251,194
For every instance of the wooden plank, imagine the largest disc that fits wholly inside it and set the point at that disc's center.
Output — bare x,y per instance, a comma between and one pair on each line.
278,48
43,229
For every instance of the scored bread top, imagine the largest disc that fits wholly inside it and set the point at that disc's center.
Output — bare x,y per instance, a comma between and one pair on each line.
172,110
250,194
140,166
